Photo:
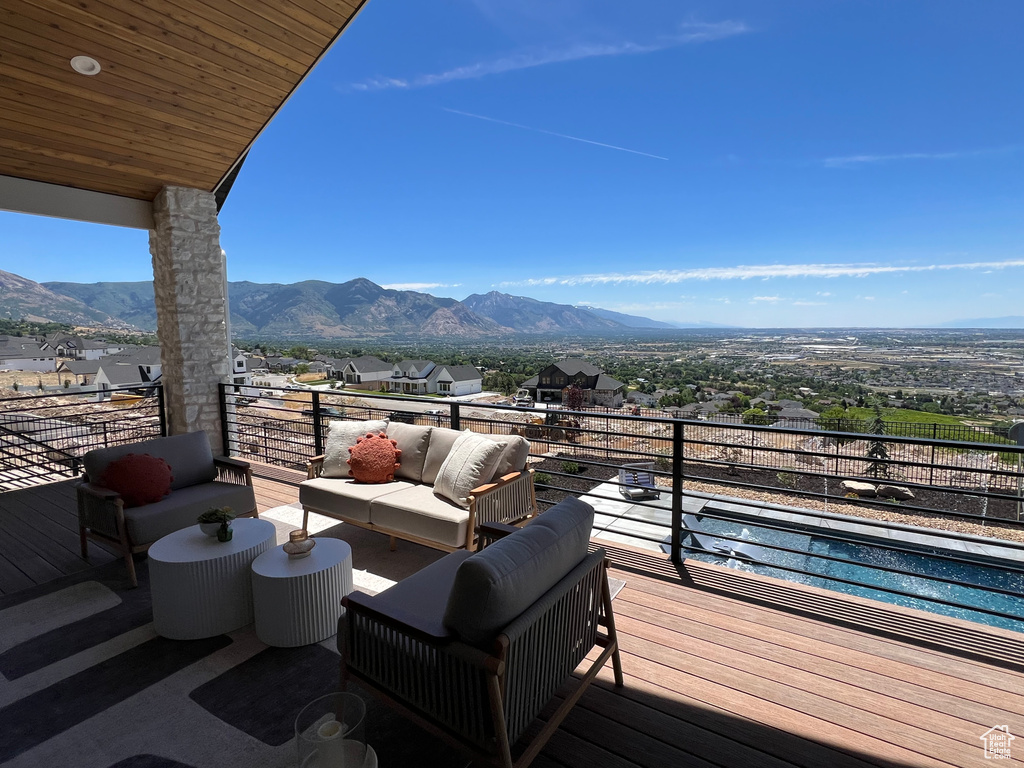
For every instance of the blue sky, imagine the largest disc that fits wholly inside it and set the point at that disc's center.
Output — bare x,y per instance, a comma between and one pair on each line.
786,163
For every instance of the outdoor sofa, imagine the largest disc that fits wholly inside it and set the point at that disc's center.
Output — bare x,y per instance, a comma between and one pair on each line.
408,507
199,482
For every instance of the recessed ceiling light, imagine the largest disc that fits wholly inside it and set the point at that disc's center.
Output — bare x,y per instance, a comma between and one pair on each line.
85,65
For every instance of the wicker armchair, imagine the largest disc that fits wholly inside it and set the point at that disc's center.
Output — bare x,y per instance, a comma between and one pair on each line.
201,481
478,670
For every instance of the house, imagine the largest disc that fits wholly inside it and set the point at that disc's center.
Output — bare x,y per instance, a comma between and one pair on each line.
642,398
367,372
598,387
411,377
133,367
23,353
77,348
998,742
455,380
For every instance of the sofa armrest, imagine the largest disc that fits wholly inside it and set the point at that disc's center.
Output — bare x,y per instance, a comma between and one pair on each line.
509,500
315,467
396,618
100,509
233,470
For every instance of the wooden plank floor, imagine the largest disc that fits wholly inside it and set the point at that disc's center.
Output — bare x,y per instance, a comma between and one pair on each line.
713,679
39,537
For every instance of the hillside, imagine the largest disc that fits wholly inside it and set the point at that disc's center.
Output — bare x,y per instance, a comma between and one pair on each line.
528,315
24,299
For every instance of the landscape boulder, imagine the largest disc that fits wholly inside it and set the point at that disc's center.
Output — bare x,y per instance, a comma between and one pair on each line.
895,492
861,489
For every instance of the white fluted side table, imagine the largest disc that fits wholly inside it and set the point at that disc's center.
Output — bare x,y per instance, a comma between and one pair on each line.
298,601
200,586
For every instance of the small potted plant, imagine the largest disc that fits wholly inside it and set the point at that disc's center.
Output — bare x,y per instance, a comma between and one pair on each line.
217,522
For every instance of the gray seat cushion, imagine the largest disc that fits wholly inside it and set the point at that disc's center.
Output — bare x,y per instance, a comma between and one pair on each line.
497,584
189,457
419,600
417,511
345,497
180,509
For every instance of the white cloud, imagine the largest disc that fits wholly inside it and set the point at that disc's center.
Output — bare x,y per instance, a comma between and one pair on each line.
771,299
688,33
853,161
823,293
810,303
418,286
747,272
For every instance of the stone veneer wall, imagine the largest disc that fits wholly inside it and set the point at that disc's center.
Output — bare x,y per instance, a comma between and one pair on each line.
191,307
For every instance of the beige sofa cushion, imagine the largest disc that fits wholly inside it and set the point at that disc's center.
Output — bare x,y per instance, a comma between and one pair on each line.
514,454
441,441
470,463
341,436
412,441
417,511
345,497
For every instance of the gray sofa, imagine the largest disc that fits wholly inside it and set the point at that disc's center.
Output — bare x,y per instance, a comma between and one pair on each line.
407,508
200,482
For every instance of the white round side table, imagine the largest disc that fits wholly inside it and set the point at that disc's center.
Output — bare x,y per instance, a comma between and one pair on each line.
297,601
200,586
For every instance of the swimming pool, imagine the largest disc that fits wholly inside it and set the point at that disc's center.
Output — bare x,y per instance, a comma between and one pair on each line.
863,564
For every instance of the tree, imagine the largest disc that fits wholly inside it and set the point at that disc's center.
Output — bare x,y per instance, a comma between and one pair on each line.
500,381
755,416
877,452
301,368
684,397
574,398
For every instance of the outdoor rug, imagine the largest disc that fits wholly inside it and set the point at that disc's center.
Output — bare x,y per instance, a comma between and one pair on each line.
85,682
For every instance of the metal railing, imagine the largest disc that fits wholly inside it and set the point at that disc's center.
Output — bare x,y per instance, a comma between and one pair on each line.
43,437
949,482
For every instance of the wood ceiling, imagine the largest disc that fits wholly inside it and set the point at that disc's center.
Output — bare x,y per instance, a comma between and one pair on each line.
185,88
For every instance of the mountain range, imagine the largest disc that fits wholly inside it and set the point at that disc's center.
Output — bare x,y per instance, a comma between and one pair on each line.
316,309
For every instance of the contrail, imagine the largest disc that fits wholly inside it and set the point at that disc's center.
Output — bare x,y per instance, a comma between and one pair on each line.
552,133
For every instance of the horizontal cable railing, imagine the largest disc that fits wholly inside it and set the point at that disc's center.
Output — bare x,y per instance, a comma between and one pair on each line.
944,484
44,437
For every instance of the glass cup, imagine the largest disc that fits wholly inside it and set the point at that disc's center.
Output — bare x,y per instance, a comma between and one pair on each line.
329,732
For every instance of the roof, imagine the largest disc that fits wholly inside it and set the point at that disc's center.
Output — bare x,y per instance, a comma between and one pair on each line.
458,372
571,366
80,367
136,355
17,347
184,89
122,373
533,381
604,381
368,363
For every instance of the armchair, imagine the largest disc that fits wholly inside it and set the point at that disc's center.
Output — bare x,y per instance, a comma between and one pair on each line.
200,482
475,645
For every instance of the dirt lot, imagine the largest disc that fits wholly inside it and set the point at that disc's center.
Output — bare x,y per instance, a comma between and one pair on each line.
27,381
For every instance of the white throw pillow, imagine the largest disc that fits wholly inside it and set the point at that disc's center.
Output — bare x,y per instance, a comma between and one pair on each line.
470,464
341,436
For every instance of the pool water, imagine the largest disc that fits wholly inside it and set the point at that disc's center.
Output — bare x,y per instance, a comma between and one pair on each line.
918,567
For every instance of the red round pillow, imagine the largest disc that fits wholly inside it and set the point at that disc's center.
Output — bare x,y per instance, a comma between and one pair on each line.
138,478
374,459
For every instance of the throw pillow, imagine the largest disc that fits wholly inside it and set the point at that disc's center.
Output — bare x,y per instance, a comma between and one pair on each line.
515,452
470,464
341,436
138,478
374,459
412,441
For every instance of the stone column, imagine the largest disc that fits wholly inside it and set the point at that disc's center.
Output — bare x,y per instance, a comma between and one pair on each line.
190,281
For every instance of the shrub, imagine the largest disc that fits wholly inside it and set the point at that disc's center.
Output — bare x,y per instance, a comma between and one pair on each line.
541,478
571,468
852,495
755,416
786,479
663,464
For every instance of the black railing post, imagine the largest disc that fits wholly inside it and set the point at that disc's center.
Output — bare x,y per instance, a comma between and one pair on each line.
677,491
161,413
456,418
224,418
318,440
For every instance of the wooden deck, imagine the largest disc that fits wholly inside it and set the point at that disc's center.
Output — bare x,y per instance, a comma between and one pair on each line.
726,673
